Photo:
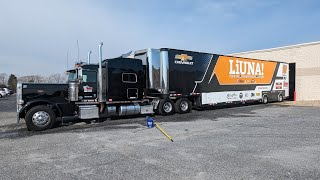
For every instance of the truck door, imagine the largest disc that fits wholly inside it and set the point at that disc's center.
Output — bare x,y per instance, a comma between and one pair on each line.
88,87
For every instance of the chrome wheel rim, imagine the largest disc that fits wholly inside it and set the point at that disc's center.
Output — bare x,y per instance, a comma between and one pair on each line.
167,107
41,118
280,98
265,99
184,105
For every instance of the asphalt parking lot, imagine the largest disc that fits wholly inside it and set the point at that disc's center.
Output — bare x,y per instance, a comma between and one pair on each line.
247,142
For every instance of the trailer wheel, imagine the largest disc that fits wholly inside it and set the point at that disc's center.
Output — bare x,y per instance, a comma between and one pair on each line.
265,99
280,98
40,118
166,107
182,106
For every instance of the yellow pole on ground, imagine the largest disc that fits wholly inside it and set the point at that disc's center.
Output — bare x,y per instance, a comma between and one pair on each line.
163,132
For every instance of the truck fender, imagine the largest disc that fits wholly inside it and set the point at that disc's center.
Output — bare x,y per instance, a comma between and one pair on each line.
39,102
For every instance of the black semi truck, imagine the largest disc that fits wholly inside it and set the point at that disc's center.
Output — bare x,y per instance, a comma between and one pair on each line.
163,81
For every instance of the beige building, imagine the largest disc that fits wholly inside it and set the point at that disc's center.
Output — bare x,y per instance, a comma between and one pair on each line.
307,59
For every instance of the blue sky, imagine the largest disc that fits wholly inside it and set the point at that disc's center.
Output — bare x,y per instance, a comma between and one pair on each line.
36,35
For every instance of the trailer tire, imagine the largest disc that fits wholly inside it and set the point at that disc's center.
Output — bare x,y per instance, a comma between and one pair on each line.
265,99
88,122
40,118
182,106
280,98
166,107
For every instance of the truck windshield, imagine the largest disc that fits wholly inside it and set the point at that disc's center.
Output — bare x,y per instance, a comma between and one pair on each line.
72,75
89,76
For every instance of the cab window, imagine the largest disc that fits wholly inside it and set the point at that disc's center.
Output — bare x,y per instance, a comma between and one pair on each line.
72,76
89,76
129,78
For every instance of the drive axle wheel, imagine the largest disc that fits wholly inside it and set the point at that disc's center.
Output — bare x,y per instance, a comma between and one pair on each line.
40,118
182,106
166,107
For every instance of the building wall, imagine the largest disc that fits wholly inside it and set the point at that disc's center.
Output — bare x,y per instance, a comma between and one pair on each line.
307,59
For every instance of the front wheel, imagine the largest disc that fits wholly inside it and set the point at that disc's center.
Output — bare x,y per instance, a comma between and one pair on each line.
40,118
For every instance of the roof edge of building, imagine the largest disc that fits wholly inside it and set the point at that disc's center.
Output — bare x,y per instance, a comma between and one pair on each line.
279,48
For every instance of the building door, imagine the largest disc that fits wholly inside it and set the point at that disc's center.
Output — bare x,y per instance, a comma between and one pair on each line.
292,80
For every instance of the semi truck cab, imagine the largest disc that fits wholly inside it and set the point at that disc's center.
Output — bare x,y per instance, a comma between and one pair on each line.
114,87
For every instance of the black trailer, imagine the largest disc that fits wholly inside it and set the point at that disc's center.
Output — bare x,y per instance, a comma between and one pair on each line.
188,79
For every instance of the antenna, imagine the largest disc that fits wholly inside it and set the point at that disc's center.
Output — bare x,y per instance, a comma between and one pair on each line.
78,50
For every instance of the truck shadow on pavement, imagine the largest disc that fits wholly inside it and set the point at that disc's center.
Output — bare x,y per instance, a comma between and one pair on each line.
14,131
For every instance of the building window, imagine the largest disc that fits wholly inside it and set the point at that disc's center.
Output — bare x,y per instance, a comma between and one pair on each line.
129,78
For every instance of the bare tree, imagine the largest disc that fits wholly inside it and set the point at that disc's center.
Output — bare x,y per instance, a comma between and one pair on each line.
3,78
56,78
32,78
53,78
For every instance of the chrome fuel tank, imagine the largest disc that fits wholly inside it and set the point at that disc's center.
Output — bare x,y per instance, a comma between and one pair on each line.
130,109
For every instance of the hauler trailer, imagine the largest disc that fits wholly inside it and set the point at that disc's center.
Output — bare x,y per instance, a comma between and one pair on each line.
198,79
164,81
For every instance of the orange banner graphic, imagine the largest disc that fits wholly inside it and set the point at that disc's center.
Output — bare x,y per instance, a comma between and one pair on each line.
235,71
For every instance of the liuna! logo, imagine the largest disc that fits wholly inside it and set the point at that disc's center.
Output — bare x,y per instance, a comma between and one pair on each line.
183,59
246,69
229,70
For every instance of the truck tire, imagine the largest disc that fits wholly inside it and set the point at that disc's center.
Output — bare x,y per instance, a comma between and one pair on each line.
182,106
280,98
40,118
265,99
166,107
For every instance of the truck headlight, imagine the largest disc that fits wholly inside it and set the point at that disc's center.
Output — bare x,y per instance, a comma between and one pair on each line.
20,101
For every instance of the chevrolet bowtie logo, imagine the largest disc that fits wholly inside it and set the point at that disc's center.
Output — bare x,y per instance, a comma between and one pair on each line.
183,57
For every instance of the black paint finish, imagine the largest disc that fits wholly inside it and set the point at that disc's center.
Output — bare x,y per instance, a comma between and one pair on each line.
184,78
116,88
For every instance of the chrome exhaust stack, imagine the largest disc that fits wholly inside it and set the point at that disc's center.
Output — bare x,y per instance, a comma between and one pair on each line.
100,85
89,53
